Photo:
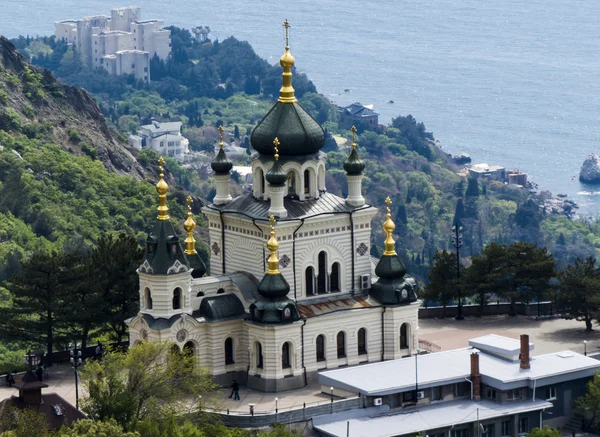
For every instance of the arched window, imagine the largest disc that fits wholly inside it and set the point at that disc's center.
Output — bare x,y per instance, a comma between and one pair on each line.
259,355
200,294
285,356
175,351
321,348
260,187
404,333
229,351
362,341
147,298
335,277
309,276
306,182
341,345
322,278
177,298
291,184
220,291
189,349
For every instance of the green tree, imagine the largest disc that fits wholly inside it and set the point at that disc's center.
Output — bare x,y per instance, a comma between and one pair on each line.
90,428
579,293
27,422
544,432
38,292
590,401
486,274
442,285
149,381
113,262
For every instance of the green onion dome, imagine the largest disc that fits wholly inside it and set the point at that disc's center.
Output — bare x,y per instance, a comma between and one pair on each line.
221,165
354,165
276,176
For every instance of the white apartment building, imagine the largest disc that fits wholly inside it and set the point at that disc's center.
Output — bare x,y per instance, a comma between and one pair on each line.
114,42
165,139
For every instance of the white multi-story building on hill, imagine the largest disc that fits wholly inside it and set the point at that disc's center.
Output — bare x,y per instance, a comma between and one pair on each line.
116,43
164,138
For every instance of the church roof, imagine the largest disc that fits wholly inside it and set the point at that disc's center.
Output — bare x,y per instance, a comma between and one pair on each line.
219,308
255,208
159,323
298,132
164,254
332,304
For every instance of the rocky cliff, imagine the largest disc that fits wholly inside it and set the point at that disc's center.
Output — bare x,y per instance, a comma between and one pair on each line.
590,170
36,96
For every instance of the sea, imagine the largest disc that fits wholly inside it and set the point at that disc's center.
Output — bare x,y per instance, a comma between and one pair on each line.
513,82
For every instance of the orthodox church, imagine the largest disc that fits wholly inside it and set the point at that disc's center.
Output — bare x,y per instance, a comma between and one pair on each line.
292,289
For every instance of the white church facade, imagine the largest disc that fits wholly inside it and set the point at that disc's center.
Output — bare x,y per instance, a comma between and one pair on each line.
292,288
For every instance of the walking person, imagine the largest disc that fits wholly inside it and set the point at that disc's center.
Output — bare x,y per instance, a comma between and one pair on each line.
10,379
235,391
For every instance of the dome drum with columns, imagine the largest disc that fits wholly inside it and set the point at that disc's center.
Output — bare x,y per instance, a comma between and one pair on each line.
293,289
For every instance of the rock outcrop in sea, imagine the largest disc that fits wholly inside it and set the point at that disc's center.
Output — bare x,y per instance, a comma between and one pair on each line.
590,170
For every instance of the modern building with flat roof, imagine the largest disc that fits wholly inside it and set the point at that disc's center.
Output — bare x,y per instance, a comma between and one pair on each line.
493,383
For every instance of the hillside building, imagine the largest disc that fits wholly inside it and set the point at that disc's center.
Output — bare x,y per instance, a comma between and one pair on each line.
121,43
357,114
164,138
292,290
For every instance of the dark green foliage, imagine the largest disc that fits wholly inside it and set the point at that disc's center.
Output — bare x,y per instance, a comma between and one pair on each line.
443,282
579,291
472,188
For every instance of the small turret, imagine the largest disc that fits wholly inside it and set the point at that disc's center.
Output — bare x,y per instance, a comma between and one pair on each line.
222,166
190,244
273,306
354,168
392,287
276,178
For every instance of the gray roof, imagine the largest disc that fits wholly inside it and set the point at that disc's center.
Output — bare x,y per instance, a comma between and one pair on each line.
219,308
254,208
160,322
378,422
358,110
504,347
163,127
453,366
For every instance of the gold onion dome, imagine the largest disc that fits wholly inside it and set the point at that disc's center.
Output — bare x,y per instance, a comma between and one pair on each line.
221,165
276,176
390,265
287,120
273,284
354,165
162,188
189,226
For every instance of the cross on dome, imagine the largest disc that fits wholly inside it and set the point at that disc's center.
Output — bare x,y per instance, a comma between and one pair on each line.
287,25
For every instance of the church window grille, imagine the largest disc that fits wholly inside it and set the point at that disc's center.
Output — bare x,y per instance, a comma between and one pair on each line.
321,348
404,343
284,261
309,279
335,277
306,182
229,351
341,345
322,278
148,298
285,356
291,183
259,356
362,249
177,298
362,341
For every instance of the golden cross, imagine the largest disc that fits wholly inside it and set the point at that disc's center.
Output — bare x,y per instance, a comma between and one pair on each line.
276,144
189,202
287,25
388,202
272,221
161,163
221,135
353,130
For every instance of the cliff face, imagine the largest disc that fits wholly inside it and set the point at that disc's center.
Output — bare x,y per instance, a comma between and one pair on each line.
78,125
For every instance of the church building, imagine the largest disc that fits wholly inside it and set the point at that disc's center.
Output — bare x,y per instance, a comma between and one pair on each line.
291,289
